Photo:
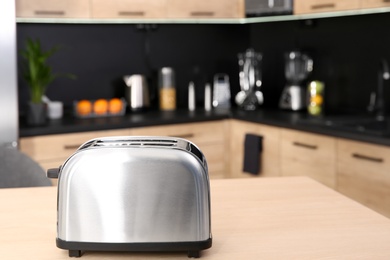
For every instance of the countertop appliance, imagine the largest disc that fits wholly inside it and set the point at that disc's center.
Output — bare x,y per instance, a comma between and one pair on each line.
298,66
250,96
134,194
137,92
9,114
268,7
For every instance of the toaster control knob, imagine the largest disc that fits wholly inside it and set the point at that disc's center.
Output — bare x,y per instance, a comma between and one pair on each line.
53,173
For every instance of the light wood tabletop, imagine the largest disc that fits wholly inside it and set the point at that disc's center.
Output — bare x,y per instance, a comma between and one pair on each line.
262,218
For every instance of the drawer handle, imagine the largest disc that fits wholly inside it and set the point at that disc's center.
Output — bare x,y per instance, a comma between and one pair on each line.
323,6
183,135
202,13
368,158
131,13
71,146
308,146
52,12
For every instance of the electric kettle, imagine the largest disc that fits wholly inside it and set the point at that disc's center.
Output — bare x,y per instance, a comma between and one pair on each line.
137,92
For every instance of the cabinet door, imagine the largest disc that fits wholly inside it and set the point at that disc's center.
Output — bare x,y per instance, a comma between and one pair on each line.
375,3
205,9
210,137
128,9
53,8
269,157
364,174
318,6
309,155
50,150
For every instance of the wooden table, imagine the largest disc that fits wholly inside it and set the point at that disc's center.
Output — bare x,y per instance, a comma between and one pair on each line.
262,218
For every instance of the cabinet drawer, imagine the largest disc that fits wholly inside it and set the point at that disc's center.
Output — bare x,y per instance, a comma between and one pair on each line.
128,9
58,147
53,8
375,3
309,155
205,9
198,133
318,6
210,137
364,174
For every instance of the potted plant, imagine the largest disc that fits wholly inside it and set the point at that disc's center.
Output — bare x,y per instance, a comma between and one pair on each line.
38,75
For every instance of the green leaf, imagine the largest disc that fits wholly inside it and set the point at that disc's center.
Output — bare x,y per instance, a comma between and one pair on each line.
37,73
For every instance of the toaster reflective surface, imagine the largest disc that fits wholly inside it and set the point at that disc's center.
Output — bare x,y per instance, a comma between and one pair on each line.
133,193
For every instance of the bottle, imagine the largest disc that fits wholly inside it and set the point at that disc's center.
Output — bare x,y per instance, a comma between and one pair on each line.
316,98
167,89
207,97
191,96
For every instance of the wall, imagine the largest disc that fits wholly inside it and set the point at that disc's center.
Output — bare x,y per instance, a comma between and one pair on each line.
99,55
346,53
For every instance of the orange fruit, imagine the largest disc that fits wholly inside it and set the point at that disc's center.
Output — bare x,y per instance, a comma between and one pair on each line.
317,100
84,107
115,106
100,107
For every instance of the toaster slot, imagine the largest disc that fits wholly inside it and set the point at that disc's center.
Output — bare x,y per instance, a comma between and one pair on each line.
144,142
136,142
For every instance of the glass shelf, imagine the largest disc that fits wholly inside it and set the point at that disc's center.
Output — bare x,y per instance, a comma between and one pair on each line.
264,19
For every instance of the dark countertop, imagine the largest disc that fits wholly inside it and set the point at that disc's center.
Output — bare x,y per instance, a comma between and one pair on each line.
286,119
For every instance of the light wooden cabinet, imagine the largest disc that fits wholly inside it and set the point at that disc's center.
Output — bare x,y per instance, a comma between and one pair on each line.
310,155
210,137
375,3
364,174
53,8
128,9
318,6
205,9
358,170
50,151
269,157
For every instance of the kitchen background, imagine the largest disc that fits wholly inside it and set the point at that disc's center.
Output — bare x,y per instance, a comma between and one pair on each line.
346,52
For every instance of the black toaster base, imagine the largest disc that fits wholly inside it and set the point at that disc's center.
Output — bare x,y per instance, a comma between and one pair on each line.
193,249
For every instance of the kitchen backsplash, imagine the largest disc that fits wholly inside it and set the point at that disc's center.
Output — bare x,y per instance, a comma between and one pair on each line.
346,53
100,55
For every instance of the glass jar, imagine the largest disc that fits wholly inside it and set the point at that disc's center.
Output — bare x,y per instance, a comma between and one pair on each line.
167,89
316,98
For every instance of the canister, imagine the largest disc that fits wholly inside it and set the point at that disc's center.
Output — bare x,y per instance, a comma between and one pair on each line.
316,98
167,89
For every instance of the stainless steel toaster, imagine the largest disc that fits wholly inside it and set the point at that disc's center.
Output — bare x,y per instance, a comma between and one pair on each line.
134,194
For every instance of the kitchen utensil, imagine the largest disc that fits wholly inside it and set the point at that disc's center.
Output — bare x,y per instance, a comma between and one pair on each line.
221,91
250,96
137,92
134,194
55,109
167,89
298,66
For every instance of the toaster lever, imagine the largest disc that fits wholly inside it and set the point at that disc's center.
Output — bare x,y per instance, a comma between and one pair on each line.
53,173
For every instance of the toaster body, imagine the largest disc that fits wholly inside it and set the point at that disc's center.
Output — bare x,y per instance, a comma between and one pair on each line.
134,194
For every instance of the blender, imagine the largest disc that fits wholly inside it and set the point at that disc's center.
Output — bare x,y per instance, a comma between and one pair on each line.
298,66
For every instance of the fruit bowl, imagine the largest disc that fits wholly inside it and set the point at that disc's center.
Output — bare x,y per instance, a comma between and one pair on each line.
99,107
